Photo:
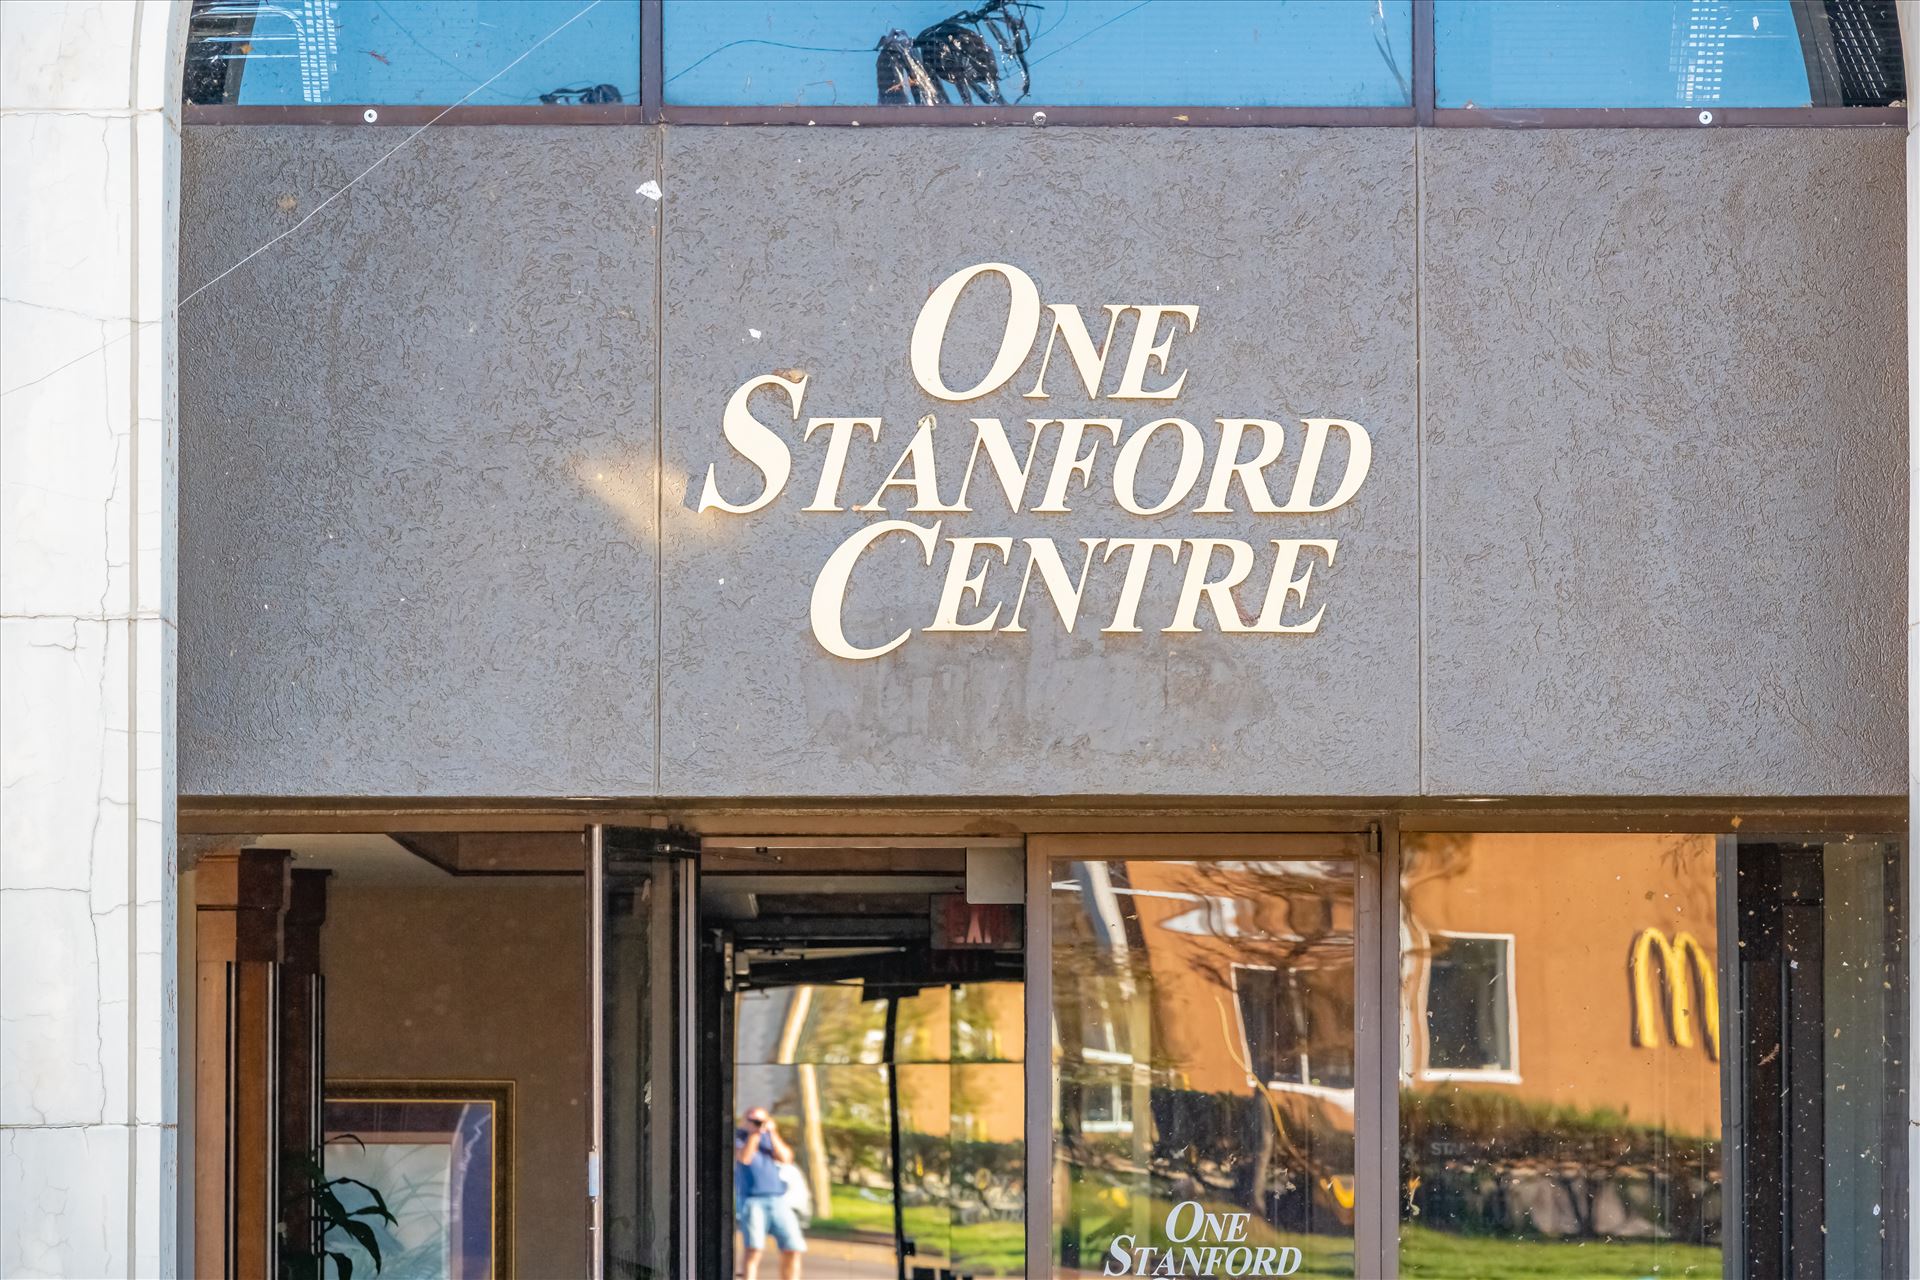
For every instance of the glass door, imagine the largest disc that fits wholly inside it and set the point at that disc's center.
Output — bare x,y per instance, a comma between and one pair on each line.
643,895
1213,1091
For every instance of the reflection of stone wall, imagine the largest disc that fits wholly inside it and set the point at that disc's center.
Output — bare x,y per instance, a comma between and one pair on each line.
1628,1205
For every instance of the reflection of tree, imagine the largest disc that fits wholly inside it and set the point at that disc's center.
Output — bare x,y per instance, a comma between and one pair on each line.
1436,855
1166,976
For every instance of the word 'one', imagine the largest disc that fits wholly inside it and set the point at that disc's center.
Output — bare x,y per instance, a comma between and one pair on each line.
1201,1244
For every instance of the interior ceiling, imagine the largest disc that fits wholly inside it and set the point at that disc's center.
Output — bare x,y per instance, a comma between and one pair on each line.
442,860
358,859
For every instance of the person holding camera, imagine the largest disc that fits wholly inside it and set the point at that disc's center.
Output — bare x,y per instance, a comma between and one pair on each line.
760,1203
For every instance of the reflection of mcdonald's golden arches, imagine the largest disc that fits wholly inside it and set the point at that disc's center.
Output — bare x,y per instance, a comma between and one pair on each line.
1680,960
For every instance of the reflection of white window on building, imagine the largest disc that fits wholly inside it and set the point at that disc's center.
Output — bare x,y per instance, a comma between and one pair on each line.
1286,1046
1106,1104
1469,1008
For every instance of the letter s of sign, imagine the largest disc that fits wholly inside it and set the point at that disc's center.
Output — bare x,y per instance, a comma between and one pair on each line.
930,331
830,589
756,442
1120,1254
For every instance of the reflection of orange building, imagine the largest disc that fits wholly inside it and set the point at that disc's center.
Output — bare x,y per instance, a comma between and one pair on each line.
1573,970
1205,1022
1218,937
1561,1013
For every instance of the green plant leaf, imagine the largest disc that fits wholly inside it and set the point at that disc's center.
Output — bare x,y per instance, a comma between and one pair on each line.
379,1205
363,1235
344,1262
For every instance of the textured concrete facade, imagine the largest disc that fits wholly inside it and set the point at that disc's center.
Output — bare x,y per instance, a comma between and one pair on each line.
1632,525
1665,480
419,482
88,1111
759,238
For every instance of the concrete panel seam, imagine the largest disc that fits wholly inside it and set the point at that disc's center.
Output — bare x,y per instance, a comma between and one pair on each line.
1420,484
659,442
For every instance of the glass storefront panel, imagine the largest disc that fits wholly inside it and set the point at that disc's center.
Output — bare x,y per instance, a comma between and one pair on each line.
816,1057
1324,53
1821,1060
1204,1067
1590,1083
491,53
1560,1105
643,900
1665,53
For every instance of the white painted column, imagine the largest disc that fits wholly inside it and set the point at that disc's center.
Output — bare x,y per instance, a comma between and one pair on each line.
1909,11
89,132
1907,24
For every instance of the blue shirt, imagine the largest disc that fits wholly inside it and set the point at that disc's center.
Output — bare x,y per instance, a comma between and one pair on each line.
762,1176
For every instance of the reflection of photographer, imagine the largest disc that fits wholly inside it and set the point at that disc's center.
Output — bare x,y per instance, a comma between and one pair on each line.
762,1201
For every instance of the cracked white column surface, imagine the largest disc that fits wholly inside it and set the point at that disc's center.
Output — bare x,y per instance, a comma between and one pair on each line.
1909,13
88,154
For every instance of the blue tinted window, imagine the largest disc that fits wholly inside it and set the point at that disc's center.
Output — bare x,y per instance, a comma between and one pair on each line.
1626,53
1331,53
413,52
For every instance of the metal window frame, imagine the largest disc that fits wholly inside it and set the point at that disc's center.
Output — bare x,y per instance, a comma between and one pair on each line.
686,1224
1733,1081
1902,1136
1422,112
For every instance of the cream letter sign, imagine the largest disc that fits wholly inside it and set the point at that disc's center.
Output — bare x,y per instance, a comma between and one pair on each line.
1210,476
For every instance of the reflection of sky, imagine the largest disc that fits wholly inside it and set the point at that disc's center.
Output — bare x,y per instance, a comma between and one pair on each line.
1084,52
433,52
1618,53
1488,53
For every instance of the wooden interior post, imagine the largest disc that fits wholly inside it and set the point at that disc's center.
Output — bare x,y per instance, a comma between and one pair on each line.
242,898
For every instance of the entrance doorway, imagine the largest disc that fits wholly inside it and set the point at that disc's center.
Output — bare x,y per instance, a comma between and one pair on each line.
1209,1059
874,1015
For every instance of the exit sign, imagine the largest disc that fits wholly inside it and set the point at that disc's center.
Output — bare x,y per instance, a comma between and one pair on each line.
959,925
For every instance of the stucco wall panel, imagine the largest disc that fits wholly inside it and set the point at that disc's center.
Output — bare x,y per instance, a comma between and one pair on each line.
416,548
1665,471
1647,538
791,249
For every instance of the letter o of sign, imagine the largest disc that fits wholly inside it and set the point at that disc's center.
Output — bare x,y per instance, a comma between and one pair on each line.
1127,467
1174,1233
930,331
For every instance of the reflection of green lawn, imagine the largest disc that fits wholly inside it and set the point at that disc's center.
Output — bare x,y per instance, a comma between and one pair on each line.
1424,1253
984,1248
1438,1255
856,1209
998,1248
